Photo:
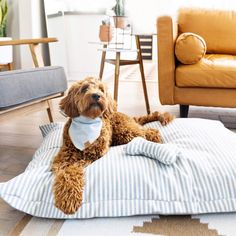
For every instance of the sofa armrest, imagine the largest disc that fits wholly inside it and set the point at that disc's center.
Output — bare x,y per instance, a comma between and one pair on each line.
27,41
167,32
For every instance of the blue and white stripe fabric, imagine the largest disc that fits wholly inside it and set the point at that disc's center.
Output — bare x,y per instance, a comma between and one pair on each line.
165,153
202,180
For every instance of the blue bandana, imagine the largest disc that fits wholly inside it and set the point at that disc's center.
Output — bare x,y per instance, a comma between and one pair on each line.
84,131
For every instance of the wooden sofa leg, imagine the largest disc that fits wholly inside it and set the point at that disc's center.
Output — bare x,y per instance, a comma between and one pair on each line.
49,111
183,110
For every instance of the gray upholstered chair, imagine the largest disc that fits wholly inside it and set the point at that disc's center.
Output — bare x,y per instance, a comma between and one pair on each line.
25,91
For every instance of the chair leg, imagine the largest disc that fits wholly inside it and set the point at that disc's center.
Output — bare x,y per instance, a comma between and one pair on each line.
10,66
49,111
183,110
142,74
36,55
102,62
117,73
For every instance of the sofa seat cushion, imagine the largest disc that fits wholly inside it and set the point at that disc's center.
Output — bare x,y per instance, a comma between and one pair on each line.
21,86
213,71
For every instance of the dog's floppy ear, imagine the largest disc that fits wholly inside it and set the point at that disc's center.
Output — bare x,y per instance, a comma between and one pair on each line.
111,106
68,105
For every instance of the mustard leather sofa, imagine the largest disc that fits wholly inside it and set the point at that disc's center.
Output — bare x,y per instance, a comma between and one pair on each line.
210,82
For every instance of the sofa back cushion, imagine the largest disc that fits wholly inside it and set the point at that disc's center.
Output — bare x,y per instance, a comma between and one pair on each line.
218,28
190,48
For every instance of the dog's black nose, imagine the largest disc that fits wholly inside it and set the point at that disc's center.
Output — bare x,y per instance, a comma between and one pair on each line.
95,96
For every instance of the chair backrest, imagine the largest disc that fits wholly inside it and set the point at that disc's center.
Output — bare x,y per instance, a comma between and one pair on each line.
217,27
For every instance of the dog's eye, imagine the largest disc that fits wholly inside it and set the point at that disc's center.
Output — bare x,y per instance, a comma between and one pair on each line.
84,89
101,88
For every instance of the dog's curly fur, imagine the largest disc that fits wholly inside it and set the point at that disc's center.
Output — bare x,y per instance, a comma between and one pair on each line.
68,166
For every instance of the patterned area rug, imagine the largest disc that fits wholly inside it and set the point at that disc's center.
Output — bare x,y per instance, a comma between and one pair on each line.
198,225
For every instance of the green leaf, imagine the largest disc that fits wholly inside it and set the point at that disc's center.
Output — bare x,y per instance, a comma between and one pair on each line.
5,7
119,8
2,31
4,19
1,15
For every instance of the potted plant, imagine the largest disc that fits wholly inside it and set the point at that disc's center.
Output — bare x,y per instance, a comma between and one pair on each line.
119,18
5,51
105,31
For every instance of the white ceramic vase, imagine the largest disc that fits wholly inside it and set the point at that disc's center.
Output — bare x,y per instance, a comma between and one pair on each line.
5,52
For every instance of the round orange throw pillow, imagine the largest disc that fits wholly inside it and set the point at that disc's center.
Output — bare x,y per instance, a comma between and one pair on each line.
190,48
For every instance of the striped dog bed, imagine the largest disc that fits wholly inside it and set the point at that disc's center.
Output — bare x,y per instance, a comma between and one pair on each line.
202,180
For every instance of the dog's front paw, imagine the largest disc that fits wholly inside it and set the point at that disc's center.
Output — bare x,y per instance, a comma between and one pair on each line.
68,189
69,204
165,118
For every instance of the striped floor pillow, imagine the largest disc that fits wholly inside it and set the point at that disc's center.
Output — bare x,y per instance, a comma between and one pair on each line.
202,180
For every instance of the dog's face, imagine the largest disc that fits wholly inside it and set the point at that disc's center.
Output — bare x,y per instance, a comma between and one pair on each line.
88,97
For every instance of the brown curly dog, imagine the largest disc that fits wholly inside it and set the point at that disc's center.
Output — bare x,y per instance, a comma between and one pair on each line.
90,98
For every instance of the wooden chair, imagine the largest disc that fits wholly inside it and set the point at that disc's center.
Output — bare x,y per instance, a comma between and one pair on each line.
38,104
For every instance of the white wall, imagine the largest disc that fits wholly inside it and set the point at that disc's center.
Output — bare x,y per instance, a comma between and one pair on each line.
39,26
13,29
145,12
25,30
74,51
26,20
